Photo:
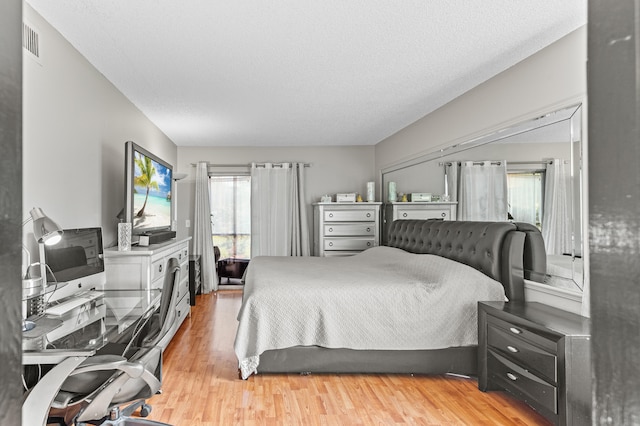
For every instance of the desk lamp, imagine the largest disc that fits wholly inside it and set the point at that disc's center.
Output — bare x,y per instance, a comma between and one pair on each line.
45,231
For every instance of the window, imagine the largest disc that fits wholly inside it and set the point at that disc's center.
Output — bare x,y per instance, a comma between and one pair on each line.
231,215
525,196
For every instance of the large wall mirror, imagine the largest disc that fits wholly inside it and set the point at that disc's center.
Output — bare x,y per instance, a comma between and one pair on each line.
543,159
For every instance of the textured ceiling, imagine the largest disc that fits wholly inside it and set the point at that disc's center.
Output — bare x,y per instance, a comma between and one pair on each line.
300,72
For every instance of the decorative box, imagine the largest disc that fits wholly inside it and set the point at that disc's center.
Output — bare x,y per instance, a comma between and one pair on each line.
346,198
420,196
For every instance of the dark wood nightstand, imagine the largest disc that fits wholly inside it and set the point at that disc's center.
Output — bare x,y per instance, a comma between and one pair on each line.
539,354
195,283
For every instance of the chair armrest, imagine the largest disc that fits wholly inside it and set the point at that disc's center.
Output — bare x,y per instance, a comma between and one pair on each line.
104,397
36,405
53,356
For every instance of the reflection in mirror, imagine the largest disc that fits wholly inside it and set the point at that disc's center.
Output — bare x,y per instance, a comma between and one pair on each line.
543,160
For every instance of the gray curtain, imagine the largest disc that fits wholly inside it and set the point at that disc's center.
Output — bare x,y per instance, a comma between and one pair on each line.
451,180
202,238
556,220
300,244
278,210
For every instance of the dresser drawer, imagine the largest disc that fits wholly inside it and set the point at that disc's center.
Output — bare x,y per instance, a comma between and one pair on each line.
368,215
351,229
157,269
523,352
341,253
343,229
183,255
522,383
348,244
183,288
183,308
444,214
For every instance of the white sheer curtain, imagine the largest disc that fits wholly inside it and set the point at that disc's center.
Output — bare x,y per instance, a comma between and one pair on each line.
202,239
482,191
556,220
278,210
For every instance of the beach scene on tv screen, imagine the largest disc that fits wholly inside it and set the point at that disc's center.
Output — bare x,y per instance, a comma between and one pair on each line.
152,193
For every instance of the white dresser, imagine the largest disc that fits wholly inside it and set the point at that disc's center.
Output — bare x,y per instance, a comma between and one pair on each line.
144,268
342,229
417,210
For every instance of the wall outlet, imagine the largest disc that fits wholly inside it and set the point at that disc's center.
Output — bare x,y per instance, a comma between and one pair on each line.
187,223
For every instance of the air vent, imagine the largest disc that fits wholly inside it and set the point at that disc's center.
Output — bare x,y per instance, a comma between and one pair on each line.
31,41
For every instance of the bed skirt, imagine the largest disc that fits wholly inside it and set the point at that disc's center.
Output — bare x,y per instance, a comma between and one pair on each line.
314,359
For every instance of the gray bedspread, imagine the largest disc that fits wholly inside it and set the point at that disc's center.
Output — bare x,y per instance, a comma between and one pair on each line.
382,298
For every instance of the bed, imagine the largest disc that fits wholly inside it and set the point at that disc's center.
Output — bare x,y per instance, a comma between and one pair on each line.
407,307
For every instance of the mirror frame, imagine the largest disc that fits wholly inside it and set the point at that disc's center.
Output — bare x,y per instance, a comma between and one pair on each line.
575,115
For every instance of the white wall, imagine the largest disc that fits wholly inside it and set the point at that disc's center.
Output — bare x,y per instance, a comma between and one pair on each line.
554,77
333,169
75,124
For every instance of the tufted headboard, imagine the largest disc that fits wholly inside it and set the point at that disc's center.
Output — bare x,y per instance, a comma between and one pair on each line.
494,248
535,253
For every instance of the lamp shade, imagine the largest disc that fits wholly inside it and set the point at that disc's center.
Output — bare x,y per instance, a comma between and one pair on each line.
45,230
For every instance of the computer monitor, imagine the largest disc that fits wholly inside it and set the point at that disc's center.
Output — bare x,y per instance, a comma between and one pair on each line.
77,261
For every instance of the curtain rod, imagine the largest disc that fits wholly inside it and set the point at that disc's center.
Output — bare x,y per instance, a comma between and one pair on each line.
477,163
508,162
278,164
242,165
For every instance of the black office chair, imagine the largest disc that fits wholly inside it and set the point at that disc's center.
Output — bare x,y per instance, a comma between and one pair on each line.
153,331
94,393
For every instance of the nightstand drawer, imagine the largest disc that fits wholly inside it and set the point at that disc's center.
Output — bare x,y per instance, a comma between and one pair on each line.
523,384
540,338
524,353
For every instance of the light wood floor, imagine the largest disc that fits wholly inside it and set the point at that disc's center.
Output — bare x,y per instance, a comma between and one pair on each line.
201,387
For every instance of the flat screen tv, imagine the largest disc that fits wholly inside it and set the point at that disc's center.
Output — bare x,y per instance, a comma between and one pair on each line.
148,189
77,261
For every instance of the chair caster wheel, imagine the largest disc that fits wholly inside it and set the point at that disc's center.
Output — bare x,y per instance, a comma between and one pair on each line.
145,410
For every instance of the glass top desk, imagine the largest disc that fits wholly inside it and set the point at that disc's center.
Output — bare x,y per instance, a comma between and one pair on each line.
95,319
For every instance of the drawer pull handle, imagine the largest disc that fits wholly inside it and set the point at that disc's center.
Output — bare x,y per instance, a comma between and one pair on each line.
368,229
330,214
330,244
512,376
513,349
368,214
369,244
160,268
330,229
515,330
444,214
404,215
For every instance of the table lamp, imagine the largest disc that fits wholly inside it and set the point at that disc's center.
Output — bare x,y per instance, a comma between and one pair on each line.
48,232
